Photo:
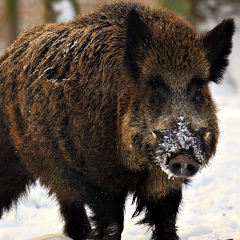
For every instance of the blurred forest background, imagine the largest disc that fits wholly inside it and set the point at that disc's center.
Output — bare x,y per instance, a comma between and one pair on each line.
17,15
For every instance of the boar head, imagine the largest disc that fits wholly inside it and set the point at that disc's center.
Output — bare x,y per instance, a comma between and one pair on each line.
171,119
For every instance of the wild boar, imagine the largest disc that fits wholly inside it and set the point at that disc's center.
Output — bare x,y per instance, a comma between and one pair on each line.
113,103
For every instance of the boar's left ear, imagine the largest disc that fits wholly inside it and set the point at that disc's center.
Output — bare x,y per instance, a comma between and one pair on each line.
137,35
218,44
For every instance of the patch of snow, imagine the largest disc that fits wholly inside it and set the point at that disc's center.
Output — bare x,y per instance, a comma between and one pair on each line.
65,10
52,237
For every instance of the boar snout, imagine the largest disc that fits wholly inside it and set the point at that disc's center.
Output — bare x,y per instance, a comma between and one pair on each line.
181,151
183,165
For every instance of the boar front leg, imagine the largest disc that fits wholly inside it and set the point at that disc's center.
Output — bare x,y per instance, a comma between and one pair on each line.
161,215
108,215
77,225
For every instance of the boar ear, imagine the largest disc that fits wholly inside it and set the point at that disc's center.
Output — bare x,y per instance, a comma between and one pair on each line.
137,35
218,44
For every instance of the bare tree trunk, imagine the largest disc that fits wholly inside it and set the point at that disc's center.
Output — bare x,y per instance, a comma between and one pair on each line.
11,18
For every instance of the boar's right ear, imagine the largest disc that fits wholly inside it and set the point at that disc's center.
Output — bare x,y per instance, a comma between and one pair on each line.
218,44
137,35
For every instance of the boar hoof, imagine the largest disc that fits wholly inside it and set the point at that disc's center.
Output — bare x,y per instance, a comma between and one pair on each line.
183,165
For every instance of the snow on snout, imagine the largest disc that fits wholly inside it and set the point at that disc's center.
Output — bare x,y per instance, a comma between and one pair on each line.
175,140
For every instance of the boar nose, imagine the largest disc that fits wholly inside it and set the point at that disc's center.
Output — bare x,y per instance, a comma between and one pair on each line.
183,165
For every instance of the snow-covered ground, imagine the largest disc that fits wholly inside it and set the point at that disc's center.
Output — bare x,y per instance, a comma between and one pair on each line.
211,204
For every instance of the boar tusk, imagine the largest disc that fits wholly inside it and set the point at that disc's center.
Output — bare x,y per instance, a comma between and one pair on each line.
154,135
206,136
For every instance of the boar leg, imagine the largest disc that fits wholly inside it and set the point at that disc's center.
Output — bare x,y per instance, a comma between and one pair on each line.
108,216
77,225
161,215
14,182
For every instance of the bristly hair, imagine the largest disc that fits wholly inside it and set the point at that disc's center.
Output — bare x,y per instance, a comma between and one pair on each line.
157,210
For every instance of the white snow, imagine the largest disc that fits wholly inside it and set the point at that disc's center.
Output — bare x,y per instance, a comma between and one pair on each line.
65,10
210,208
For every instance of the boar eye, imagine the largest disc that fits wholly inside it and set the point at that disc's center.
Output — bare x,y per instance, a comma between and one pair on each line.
158,89
198,93
153,83
199,89
196,87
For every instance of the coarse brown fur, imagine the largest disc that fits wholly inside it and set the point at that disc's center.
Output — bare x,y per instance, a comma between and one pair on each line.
75,112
